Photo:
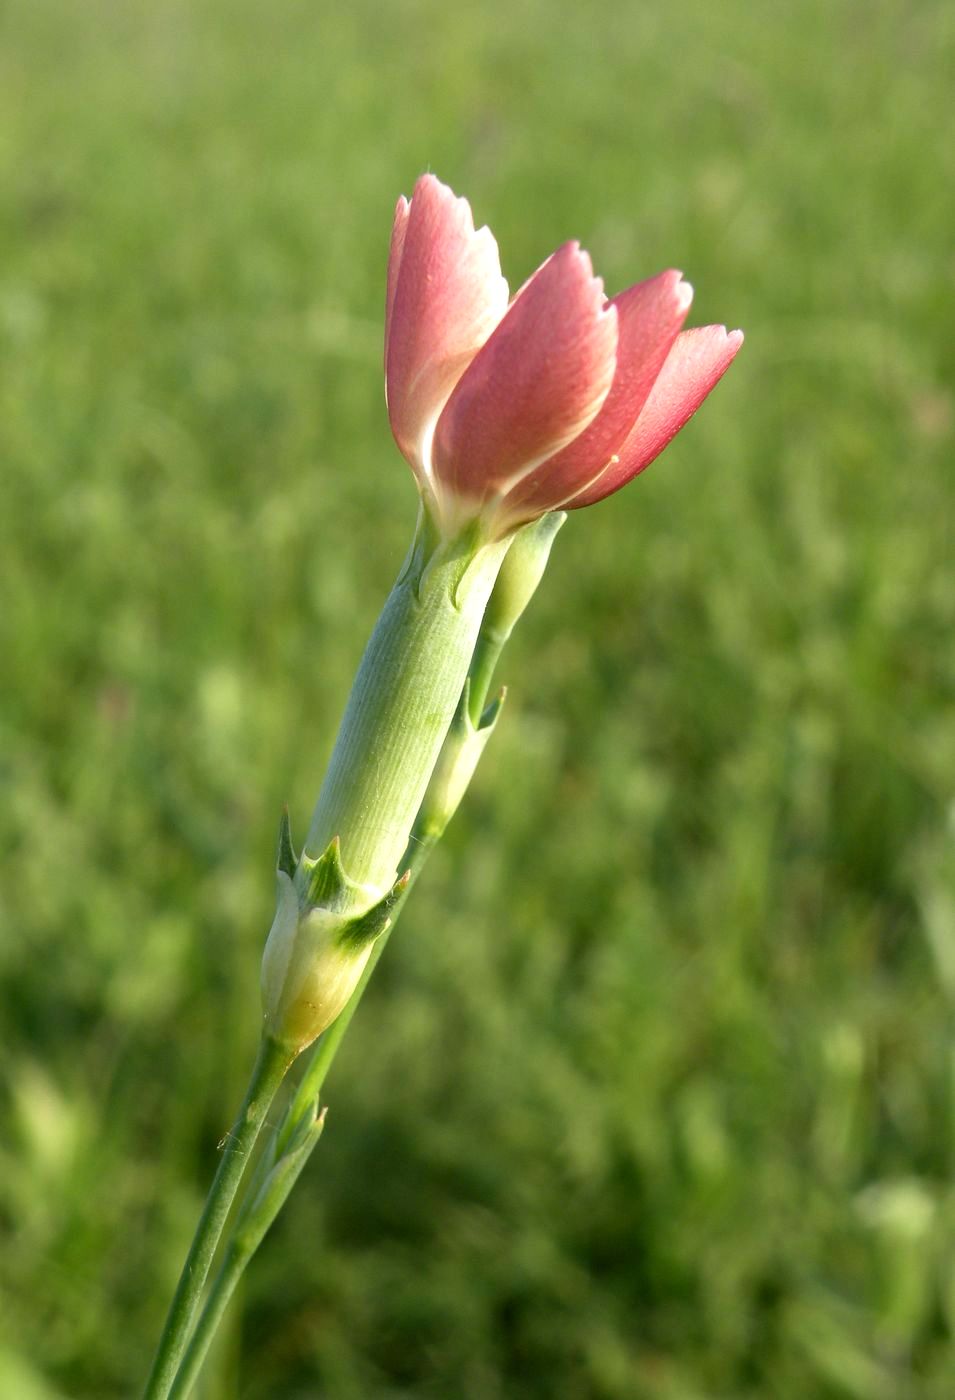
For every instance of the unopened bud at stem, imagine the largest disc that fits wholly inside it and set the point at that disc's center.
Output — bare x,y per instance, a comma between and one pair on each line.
516,583
455,767
323,933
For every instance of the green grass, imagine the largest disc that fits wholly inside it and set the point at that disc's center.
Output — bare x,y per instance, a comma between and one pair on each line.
654,1095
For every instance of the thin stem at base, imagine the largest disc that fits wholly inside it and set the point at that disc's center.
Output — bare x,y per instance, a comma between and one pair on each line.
249,1234
256,1217
269,1071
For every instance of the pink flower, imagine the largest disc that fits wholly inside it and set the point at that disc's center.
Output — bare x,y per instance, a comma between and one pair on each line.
555,399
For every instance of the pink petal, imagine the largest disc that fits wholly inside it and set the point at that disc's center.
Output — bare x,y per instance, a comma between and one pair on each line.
398,231
537,383
650,316
699,358
445,296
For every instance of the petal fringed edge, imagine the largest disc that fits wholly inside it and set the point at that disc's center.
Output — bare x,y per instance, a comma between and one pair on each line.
537,384
698,360
446,295
650,315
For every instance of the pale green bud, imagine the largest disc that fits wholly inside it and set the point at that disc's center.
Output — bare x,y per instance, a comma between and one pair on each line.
457,761
521,572
309,969
321,938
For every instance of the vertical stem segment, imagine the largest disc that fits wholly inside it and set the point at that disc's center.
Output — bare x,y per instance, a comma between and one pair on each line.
294,1139
269,1071
260,1209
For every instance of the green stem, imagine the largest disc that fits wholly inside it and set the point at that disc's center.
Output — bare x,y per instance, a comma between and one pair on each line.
327,1048
270,1068
254,1221
403,697
233,1266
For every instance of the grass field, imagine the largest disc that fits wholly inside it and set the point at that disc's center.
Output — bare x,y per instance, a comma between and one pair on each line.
653,1097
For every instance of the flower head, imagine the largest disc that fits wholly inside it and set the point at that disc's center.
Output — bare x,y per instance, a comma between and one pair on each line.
508,409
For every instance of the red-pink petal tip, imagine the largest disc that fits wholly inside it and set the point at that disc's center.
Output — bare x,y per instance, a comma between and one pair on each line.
446,295
698,360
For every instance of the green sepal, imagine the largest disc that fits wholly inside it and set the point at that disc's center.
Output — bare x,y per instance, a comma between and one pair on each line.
464,727
286,859
262,1205
357,932
307,1130
323,882
489,717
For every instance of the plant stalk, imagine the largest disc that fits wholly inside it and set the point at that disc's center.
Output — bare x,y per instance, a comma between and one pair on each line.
270,1068
254,1221
384,797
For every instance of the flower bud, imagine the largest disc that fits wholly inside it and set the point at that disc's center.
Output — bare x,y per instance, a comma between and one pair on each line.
309,970
455,767
521,572
506,409
321,938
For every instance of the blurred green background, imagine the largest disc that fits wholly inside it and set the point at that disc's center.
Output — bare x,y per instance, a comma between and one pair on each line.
654,1093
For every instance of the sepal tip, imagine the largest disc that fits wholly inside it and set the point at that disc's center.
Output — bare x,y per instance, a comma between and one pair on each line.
286,860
